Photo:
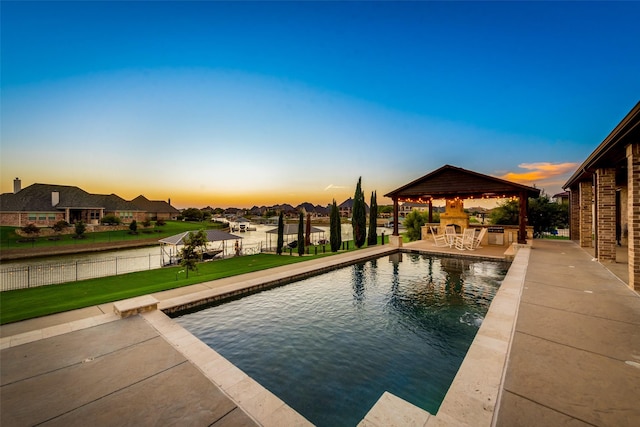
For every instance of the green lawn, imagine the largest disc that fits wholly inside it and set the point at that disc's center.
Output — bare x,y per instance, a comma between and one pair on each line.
10,240
41,301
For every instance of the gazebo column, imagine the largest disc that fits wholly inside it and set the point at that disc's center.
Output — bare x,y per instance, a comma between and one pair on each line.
633,209
586,214
395,239
606,214
522,232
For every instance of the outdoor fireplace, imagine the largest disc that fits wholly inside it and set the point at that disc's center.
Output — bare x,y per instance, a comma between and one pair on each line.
454,215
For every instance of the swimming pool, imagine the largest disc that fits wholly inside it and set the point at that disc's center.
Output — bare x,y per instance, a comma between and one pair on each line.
330,345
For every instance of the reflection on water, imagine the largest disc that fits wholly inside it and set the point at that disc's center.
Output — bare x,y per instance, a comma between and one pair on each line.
330,345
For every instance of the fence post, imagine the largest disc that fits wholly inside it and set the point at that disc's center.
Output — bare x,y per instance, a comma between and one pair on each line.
116,266
29,277
76,271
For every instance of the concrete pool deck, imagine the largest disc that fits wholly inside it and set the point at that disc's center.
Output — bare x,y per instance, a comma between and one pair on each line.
573,357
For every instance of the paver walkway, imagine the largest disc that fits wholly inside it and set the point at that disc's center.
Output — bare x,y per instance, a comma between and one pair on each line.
575,356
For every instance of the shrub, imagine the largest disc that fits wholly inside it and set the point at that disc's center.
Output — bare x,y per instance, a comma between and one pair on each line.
414,222
110,220
80,229
60,225
160,223
133,227
30,230
146,223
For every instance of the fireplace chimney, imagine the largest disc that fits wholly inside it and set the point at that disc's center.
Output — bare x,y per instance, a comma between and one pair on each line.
17,185
55,198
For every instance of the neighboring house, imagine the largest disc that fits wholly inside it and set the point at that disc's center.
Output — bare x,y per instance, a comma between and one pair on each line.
156,209
46,204
346,208
407,207
561,198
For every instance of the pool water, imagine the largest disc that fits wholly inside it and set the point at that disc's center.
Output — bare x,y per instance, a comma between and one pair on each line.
330,345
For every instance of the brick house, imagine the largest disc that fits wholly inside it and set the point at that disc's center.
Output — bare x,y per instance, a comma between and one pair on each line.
604,197
46,204
156,209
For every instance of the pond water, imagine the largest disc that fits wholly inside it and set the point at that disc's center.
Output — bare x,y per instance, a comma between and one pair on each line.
330,345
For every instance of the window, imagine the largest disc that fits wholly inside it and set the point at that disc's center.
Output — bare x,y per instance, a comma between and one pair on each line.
52,217
32,217
42,217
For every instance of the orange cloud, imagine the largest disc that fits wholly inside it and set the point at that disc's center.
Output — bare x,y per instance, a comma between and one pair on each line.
540,172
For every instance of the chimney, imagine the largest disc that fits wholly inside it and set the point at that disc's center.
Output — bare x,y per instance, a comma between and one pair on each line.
55,198
17,185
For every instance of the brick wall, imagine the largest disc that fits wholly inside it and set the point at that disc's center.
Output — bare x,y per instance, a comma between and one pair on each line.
20,219
574,214
633,213
606,214
586,214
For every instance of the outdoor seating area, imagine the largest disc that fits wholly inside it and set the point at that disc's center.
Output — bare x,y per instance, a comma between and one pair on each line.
468,240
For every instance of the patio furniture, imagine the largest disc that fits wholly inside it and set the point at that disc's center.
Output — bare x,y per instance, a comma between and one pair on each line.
440,240
478,239
450,235
465,242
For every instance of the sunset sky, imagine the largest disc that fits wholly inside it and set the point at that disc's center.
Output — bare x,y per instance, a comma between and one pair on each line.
241,104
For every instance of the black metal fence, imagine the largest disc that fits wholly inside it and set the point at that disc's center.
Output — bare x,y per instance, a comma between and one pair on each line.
30,276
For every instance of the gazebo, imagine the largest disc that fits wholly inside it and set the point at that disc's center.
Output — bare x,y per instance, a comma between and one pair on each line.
454,185
292,230
213,236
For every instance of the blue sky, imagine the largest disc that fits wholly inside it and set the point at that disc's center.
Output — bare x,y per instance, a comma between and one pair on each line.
242,103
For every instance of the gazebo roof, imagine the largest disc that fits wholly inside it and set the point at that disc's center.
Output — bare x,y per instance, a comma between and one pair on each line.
290,229
212,236
449,182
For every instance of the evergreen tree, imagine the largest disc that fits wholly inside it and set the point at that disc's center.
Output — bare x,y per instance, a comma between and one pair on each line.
301,234
372,238
335,233
359,216
280,234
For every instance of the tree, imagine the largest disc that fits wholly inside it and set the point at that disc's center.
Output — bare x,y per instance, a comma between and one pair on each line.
506,213
335,231
80,228
191,253
546,216
413,223
280,233
359,216
192,214
133,227
372,238
301,234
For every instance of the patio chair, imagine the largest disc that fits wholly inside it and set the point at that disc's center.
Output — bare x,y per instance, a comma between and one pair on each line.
478,239
439,239
465,241
450,235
